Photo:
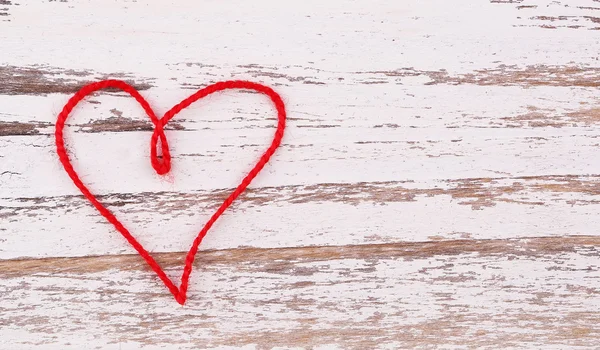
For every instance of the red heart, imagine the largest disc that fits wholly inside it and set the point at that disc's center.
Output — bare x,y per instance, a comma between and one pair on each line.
164,166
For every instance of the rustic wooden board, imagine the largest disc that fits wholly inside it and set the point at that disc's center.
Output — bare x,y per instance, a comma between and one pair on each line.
437,186
538,292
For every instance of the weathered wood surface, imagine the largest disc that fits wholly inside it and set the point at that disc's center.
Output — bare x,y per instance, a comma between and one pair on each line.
539,292
437,186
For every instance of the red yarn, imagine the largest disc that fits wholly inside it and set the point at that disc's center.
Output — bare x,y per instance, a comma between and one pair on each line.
165,166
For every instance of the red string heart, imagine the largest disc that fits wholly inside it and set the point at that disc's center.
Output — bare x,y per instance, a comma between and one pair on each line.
164,166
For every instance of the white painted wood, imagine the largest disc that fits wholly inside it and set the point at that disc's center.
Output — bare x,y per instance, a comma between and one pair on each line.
454,123
328,215
524,300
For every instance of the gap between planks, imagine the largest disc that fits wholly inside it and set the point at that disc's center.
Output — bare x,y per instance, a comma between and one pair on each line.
531,247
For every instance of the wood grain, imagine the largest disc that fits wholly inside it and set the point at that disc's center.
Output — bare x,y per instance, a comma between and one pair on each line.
436,188
330,214
388,295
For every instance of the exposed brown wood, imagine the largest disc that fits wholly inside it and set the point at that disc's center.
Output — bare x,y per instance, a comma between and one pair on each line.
279,258
500,75
41,80
475,192
4,10
533,118
356,297
534,75
111,124
122,124
20,128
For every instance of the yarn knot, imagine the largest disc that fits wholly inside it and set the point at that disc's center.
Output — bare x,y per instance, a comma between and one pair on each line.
161,162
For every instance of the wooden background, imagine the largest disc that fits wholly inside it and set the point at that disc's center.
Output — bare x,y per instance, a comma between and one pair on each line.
438,185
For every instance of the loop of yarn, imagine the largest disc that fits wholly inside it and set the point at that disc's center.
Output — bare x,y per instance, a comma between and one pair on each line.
162,163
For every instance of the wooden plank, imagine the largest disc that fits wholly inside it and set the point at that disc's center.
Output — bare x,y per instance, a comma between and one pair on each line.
210,160
539,292
328,214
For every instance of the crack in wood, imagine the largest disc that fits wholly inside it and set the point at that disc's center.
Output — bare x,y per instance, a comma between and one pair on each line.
280,260
475,192
507,75
111,124
43,80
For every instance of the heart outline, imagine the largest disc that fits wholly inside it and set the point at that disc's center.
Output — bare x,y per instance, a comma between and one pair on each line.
162,168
